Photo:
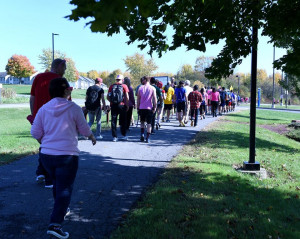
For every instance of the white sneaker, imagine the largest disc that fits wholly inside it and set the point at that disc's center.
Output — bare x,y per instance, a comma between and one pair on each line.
125,138
40,178
49,186
115,139
99,137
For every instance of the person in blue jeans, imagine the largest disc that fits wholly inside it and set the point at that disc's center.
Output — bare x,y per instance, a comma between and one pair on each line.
55,128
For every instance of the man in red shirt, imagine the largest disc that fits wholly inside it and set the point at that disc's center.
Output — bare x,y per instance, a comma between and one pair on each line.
39,96
195,98
118,98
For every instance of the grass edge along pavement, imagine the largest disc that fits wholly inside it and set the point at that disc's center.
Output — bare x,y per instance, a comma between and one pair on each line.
201,195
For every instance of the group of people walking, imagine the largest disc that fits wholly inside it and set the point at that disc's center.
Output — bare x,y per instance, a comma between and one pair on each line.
57,122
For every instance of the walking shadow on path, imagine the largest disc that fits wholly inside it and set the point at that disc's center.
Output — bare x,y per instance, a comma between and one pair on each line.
111,178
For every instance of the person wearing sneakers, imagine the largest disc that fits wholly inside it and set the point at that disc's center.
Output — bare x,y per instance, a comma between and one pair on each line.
160,105
39,96
168,102
203,103
188,89
94,96
158,100
55,128
195,98
215,99
146,106
131,102
181,100
118,98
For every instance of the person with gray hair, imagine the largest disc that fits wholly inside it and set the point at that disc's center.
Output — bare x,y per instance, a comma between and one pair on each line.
39,96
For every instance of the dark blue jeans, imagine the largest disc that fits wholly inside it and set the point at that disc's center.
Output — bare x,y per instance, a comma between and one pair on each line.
194,115
115,111
62,169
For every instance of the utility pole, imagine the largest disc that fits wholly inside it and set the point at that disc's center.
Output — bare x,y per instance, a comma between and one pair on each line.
252,164
53,34
273,105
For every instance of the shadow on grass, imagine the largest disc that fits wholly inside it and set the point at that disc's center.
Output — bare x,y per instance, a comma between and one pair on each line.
232,140
187,204
248,117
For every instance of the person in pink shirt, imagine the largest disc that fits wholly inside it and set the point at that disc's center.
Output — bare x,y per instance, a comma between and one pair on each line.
55,128
146,106
215,99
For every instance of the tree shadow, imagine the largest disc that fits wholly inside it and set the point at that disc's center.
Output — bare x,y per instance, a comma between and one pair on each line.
214,205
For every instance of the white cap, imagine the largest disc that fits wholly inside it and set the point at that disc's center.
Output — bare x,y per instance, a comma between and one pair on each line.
187,82
120,77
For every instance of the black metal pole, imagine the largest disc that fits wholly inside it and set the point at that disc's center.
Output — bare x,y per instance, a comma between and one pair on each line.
273,106
52,46
252,164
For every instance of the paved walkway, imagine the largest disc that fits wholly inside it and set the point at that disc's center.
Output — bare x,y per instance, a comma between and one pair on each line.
110,179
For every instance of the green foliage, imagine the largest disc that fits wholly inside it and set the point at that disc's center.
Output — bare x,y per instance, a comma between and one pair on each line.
45,58
19,66
197,23
92,74
138,66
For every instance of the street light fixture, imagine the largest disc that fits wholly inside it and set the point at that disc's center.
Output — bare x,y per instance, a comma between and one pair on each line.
53,34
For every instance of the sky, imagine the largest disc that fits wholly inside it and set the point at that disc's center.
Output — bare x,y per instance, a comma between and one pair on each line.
26,28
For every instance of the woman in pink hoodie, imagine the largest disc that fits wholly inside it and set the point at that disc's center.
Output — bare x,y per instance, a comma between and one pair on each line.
55,128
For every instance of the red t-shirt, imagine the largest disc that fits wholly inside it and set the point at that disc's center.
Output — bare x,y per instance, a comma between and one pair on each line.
40,89
125,90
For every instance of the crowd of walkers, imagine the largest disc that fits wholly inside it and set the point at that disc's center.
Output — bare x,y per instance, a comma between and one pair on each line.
156,103
57,122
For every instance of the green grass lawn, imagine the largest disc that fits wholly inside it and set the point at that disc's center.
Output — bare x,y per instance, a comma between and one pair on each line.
15,138
201,195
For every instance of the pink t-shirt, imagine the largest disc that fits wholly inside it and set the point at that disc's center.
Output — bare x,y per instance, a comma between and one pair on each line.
215,96
146,93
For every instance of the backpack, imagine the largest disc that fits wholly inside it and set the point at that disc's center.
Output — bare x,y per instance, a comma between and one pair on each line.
116,96
223,95
91,102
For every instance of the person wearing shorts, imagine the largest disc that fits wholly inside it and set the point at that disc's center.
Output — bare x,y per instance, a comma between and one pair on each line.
146,106
181,100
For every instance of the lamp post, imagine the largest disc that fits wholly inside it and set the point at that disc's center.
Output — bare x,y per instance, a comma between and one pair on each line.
53,34
238,84
273,106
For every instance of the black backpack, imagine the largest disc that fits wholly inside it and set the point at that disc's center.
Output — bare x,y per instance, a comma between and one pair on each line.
91,102
116,96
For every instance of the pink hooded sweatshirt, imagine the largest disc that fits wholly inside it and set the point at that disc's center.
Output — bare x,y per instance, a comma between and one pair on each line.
56,125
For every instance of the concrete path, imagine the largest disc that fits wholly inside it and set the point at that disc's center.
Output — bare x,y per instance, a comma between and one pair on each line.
110,179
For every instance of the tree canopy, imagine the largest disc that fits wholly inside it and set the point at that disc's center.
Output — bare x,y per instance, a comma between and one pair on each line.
45,58
19,66
196,23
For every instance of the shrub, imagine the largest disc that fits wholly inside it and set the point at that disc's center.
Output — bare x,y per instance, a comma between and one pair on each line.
8,93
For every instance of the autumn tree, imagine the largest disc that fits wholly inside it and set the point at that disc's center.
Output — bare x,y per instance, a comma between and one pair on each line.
92,74
138,66
45,58
19,66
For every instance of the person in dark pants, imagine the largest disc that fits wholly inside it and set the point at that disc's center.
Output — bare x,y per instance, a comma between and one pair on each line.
55,128
118,98
39,96
159,99
131,102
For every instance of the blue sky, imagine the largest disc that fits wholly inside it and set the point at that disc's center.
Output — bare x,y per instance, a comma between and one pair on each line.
27,26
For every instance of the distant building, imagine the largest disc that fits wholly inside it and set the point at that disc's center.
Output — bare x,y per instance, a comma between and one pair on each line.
81,83
12,80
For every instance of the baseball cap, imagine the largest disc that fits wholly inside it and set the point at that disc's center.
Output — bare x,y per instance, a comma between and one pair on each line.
187,82
120,77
